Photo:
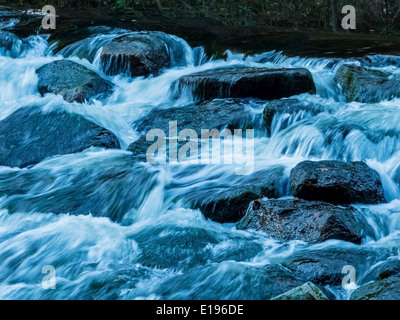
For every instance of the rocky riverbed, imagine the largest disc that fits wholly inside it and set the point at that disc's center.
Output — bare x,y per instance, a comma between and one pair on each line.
319,138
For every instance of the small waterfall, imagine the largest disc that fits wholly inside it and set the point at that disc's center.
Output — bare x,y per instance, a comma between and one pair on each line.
178,51
200,56
88,48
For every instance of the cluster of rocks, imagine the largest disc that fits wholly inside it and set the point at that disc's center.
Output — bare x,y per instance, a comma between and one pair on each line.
30,135
314,215
141,54
321,211
323,191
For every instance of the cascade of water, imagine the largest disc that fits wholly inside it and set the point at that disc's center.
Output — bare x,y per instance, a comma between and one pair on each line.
145,203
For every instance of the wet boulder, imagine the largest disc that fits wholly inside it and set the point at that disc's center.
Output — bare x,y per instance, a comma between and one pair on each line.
14,47
245,82
292,109
337,182
10,44
73,81
230,114
324,266
367,85
307,291
191,246
308,221
142,54
31,135
219,114
386,289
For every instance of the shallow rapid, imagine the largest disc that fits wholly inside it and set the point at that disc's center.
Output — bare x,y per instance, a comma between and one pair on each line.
144,242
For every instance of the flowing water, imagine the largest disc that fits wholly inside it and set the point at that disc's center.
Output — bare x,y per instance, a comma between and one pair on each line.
142,241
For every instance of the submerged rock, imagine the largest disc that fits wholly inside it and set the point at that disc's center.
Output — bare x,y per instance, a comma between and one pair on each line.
386,289
242,82
379,60
367,85
324,266
219,114
291,107
312,222
245,282
307,291
142,54
10,44
383,270
337,182
73,81
228,202
31,135
103,186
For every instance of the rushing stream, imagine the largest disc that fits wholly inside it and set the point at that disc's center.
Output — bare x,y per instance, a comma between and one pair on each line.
144,242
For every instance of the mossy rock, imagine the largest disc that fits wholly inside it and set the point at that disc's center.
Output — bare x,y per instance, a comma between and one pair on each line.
366,85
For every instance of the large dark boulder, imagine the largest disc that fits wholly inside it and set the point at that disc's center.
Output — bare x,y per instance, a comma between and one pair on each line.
366,85
324,266
312,222
337,182
142,54
243,82
386,289
296,109
72,80
30,135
